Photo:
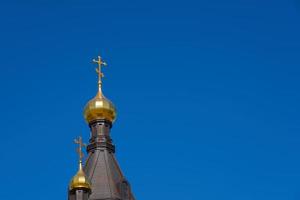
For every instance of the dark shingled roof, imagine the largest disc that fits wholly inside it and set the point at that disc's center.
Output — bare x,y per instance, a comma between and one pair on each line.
102,169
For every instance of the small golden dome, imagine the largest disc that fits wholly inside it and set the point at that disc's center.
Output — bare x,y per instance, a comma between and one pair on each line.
99,108
79,181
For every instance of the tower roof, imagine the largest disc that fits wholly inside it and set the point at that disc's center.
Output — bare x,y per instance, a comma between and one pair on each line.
105,175
101,174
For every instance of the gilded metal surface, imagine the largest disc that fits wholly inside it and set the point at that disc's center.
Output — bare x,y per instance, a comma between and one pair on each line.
99,107
100,63
79,148
79,181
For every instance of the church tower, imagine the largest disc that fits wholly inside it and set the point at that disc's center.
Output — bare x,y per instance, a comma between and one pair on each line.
101,177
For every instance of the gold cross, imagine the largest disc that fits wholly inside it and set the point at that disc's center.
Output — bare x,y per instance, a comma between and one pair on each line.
79,148
100,63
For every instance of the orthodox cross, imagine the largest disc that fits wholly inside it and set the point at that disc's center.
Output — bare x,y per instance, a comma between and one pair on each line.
100,63
79,148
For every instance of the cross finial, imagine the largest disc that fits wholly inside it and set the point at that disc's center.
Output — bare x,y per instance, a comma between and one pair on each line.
100,63
79,149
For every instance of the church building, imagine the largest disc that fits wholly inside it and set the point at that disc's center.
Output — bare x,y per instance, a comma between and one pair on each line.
100,177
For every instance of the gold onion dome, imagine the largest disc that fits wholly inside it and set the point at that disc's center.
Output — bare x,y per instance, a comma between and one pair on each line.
79,181
99,107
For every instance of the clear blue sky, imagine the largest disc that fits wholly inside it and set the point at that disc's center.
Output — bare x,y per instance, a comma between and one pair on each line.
207,92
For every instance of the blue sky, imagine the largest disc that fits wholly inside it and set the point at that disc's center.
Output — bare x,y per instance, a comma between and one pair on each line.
207,94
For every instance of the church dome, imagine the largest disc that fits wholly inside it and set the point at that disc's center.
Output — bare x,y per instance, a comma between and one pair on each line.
79,181
99,108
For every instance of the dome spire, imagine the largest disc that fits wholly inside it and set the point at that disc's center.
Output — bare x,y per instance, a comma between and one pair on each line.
79,150
100,63
99,108
80,181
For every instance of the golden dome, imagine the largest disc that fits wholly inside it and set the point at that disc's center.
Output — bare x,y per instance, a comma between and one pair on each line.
99,108
79,181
